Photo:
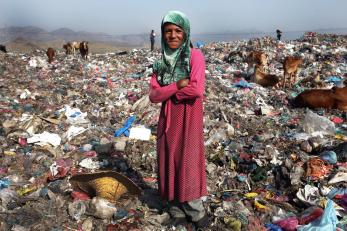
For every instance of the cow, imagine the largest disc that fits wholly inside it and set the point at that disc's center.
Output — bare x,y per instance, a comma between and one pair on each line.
50,53
290,68
84,49
3,48
335,98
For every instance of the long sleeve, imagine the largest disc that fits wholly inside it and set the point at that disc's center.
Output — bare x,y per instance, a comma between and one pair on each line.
158,93
196,86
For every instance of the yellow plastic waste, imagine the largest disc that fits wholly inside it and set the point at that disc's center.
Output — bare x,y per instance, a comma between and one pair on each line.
9,153
341,137
23,191
269,195
260,206
232,165
233,223
251,195
153,138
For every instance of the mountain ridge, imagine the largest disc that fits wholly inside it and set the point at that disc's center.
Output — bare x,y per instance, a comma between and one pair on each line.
64,34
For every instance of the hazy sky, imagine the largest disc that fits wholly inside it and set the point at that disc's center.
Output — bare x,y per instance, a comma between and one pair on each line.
206,16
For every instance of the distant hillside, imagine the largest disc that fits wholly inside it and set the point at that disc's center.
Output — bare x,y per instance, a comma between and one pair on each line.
35,34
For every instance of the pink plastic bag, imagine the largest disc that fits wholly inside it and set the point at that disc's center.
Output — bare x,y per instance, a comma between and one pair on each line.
288,224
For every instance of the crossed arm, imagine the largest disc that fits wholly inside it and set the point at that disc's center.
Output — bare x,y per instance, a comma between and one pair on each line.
183,89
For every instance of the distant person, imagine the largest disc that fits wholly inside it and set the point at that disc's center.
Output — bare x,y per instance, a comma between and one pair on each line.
178,83
152,38
279,34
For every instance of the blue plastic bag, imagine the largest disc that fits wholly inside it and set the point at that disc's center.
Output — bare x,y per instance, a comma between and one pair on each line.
4,183
200,44
334,79
329,156
327,221
243,84
125,129
273,227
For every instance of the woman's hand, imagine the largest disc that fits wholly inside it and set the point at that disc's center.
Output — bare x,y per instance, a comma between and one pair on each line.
182,83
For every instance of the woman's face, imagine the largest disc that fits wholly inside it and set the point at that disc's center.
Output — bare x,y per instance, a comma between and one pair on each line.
173,35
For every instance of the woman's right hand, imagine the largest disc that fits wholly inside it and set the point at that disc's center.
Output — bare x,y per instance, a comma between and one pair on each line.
182,83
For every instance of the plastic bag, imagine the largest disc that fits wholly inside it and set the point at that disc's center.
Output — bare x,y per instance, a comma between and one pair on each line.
315,123
310,215
125,129
288,224
326,222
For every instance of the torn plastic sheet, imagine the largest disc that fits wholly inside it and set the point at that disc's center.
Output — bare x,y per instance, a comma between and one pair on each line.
44,139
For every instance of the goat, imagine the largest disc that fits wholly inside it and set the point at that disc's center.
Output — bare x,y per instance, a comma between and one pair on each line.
263,79
71,47
290,68
234,56
84,49
335,98
256,58
340,93
50,53
68,48
75,46
3,48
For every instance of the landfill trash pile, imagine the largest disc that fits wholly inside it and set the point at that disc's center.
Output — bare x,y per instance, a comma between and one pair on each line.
269,166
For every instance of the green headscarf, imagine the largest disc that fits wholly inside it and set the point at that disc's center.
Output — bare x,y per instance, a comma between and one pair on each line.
174,64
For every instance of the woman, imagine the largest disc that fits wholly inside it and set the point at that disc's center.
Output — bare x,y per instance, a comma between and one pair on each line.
178,83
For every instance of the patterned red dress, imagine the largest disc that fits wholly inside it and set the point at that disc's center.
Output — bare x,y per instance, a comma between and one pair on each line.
180,139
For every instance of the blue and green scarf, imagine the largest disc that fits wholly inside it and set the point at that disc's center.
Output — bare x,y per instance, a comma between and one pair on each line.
175,64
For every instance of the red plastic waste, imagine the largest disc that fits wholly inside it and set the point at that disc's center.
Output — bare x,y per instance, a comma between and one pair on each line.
79,196
310,215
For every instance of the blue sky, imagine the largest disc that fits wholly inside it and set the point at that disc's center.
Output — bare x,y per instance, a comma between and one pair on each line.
206,16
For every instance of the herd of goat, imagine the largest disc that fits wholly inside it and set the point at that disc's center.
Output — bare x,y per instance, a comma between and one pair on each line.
70,48
334,98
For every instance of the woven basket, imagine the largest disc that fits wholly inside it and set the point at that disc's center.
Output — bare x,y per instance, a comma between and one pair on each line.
109,185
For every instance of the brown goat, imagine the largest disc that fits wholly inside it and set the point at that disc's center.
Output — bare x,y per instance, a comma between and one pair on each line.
84,49
335,98
263,79
257,57
340,93
68,48
74,46
290,68
50,53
